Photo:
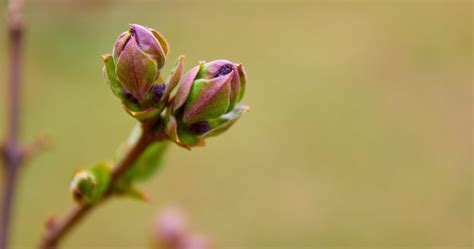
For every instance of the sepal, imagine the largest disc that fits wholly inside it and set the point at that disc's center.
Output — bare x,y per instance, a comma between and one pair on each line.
108,72
171,129
150,113
243,80
184,87
161,39
171,82
174,76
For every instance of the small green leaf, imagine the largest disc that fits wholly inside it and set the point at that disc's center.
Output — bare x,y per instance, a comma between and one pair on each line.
224,122
136,194
148,163
144,167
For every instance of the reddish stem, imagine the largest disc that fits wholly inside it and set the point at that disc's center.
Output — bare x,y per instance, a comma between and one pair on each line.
57,230
11,154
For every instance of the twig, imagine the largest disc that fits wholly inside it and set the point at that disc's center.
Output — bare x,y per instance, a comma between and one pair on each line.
38,145
57,230
11,153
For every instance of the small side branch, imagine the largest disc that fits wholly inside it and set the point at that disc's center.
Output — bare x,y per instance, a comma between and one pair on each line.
35,147
58,229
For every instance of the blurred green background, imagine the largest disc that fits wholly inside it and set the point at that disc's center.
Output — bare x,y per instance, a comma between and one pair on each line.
360,134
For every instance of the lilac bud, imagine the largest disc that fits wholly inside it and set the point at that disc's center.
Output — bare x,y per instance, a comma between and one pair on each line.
138,55
219,68
171,231
133,71
157,92
206,101
170,228
150,41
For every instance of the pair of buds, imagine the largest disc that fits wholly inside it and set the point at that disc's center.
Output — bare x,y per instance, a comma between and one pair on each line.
205,104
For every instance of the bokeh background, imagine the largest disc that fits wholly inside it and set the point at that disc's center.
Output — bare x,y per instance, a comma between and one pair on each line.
360,134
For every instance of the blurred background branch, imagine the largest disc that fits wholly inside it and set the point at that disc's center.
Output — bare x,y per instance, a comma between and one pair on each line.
11,154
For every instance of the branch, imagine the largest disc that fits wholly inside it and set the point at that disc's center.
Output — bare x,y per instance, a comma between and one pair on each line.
35,147
11,151
57,230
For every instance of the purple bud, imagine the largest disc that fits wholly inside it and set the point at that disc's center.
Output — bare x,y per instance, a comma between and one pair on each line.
219,68
171,228
196,241
157,92
226,69
135,70
138,56
199,128
206,102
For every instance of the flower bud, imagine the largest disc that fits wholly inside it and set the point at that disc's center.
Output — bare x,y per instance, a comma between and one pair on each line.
88,185
149,41
170,228
82,186
138,58
133,71
206,101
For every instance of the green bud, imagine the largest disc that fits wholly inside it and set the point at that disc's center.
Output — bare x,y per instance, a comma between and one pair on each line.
206,102
89,185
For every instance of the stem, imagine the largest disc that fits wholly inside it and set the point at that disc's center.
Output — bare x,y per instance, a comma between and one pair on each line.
12,156
59,229
8,198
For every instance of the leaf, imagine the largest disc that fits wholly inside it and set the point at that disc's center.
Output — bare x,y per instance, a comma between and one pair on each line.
224,122
145,166
148,163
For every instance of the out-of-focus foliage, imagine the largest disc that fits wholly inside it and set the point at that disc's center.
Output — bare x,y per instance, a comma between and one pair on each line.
360,132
